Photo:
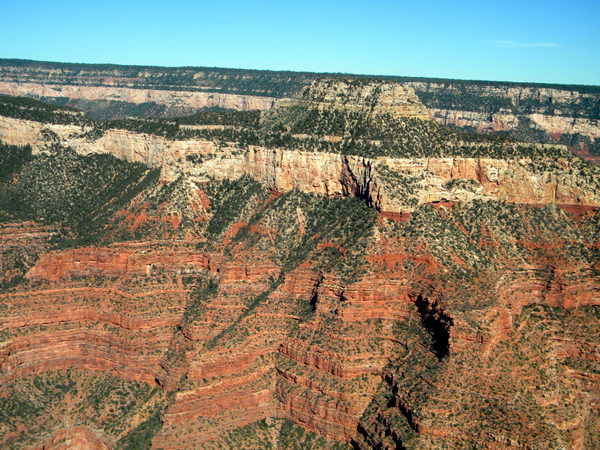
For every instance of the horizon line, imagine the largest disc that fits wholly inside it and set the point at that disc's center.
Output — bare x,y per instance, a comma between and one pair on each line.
540,83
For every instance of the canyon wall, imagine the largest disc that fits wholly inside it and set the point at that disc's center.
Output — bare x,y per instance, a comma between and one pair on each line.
324,300
511,99
561,114
261,343
434,179
181,101
532,112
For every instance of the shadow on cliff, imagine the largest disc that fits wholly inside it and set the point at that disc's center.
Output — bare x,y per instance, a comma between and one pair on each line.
438,324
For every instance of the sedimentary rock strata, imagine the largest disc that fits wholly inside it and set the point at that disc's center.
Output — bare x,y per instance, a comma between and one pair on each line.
266,292
532,112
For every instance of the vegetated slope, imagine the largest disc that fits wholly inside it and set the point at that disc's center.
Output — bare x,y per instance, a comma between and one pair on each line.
244,311
528,111
299,125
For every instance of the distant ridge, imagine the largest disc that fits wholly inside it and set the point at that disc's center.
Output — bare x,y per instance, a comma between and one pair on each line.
299,75
532,112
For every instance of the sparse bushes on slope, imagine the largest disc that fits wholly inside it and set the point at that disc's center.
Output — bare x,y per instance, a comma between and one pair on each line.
79,192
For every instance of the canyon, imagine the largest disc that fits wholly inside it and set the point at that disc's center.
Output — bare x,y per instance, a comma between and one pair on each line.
293,290
535,113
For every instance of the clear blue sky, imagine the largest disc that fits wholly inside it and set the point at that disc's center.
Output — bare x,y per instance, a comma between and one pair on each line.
526,40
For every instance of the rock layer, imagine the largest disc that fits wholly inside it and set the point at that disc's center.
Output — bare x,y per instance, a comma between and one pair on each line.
184,101
527,111
321,295
324,173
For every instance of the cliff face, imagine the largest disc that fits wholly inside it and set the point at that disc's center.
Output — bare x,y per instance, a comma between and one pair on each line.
358,97
264,293
536,113
239,337
523,179
174,102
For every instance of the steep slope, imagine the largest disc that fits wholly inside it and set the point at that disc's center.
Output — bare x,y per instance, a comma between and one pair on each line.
348,273
544,113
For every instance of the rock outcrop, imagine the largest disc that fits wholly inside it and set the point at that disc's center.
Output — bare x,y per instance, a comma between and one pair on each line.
548,113
376,98
431,179
381,301
181,101
79,437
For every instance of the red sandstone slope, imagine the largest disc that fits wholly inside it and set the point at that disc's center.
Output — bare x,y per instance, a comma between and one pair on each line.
179,314
237,340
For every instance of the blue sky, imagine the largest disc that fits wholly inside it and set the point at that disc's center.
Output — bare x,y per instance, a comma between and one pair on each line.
541,41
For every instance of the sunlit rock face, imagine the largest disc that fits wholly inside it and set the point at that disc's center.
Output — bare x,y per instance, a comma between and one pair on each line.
534,113
451,175
370,97
290,290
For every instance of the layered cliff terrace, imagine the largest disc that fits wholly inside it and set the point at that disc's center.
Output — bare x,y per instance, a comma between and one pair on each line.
530,112
361,138
237,294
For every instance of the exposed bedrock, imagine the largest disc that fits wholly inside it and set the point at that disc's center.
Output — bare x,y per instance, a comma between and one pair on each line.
459,325
311,350
177,100
118,260
93,328
79,437
432,179
526,111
